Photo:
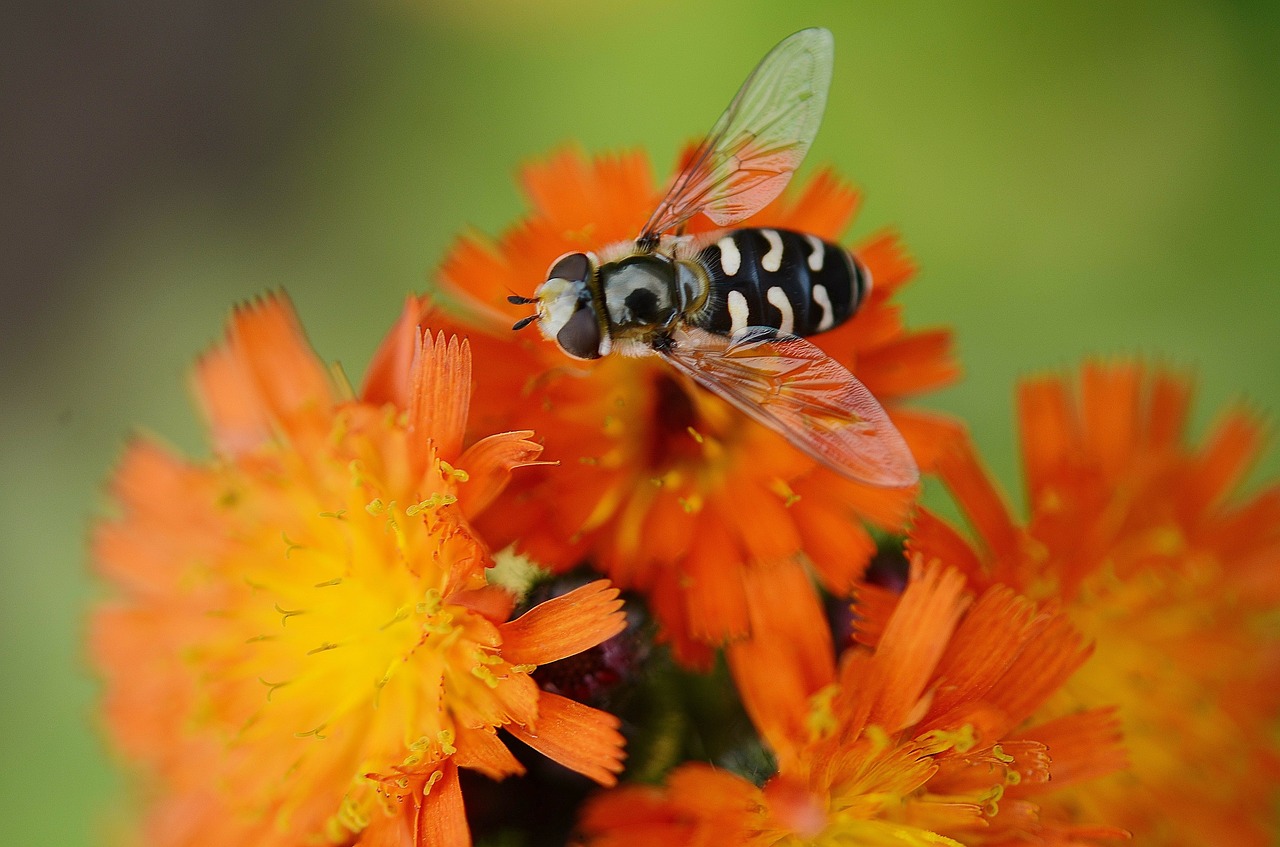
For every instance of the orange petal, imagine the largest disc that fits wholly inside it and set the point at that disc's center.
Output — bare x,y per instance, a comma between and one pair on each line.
579,737
928,434
481,750
1083,746
873,607
440,392
1110,402
936,540
889,263
470,286
983,647
489,462
434,819
237,419
715,606
789,655
910,364
492,601
1169,404
614,194
442,820
286,379
983,505
387,380
1051,655
1050,432
835,541
564,626
1230,451
635,816
913,643
668,600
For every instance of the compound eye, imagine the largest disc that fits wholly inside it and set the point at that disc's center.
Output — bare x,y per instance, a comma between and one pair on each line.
580,335
575,267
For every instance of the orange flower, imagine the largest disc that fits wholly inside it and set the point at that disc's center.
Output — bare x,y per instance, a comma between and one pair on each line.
303,649
919,741
1174,574
664,487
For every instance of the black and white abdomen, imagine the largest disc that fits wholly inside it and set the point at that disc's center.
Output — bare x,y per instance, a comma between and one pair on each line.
790,281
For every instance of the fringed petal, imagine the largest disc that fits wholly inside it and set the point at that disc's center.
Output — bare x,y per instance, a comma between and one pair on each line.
579,737
984,646
564,626
440,392
1042,666
281,374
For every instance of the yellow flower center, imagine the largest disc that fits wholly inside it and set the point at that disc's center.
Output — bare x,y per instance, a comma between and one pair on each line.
335,652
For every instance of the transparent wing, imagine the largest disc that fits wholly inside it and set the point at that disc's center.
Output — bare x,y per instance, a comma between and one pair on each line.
753,149
790,386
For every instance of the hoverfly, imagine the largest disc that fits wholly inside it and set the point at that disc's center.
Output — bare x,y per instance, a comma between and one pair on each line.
727,309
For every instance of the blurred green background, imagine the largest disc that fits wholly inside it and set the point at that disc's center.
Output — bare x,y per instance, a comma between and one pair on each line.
1075,179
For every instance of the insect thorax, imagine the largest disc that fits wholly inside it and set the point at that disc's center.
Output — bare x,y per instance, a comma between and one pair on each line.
646,293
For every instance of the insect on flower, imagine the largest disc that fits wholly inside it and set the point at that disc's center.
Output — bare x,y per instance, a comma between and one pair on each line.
728,309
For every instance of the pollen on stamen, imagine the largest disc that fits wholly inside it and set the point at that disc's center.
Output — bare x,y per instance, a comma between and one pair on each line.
457,473
433,502
697,436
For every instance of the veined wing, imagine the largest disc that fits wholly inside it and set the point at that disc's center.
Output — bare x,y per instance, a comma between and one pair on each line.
757,144
792,387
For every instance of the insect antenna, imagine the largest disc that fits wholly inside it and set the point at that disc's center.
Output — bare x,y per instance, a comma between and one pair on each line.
524,322
517,300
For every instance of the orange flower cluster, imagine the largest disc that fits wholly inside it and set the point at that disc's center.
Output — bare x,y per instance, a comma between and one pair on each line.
306,644
920,741
1157,557
303,648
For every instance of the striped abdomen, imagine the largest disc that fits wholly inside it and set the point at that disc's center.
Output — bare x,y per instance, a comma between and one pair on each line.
786,280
